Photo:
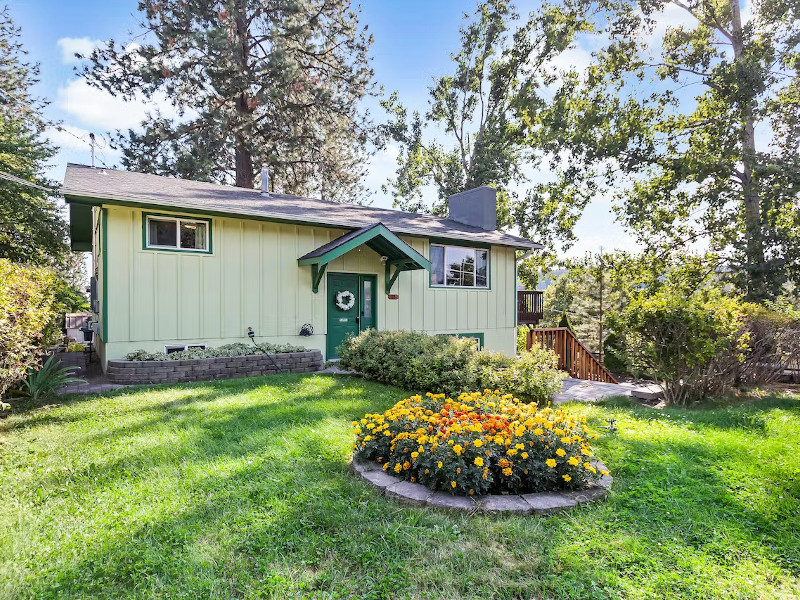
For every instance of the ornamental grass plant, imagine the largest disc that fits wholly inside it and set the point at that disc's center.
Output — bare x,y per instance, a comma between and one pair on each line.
480,443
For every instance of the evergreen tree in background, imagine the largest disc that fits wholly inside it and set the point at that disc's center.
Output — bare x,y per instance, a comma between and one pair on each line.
274,82
32,229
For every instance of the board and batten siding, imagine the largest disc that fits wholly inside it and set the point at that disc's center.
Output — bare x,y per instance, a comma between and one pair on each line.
252,279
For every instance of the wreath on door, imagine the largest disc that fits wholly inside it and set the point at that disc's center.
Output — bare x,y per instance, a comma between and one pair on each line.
345,300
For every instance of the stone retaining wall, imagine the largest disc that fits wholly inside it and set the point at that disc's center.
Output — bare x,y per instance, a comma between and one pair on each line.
202,369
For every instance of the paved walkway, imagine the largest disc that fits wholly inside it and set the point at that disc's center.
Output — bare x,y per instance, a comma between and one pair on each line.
581,390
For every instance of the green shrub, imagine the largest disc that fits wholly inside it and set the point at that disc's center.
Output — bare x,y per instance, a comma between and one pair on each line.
48,378
480,443
444,364
681,339
237,349
28,319
75,347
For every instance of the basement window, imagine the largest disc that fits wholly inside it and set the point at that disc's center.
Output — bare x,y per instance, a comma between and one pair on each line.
457,266
177,233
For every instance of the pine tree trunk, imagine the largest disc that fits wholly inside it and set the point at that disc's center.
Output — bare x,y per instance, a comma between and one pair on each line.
754,249
245,177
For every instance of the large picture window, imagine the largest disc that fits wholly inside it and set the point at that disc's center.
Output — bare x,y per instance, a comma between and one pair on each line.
456,266
177,233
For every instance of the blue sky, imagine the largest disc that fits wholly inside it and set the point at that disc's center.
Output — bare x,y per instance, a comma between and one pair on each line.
413,42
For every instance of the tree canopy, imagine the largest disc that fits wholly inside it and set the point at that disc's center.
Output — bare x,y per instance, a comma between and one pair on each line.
275,82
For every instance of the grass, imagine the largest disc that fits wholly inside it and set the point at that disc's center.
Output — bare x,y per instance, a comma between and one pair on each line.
241,489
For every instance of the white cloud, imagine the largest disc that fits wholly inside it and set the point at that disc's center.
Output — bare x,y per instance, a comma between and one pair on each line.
68,137
71,46
96,109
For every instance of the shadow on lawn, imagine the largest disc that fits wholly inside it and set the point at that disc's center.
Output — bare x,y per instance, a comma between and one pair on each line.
293,520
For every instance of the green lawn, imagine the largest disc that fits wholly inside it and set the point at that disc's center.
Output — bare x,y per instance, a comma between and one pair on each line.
241,489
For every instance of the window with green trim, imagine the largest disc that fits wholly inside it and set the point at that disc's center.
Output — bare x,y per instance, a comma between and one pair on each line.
457,266
177,233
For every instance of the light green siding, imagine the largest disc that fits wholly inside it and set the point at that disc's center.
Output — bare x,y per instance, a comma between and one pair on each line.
252,279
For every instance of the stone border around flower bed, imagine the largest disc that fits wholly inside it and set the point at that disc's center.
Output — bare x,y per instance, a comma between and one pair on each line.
136,372
541,503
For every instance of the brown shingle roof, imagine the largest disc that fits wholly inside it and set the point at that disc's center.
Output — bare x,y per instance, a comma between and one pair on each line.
110,185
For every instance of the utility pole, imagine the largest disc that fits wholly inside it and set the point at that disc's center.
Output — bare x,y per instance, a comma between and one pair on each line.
602,282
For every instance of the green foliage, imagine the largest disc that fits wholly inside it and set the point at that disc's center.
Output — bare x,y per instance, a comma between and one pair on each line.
75,347
444,364
48,378
237,349
677,337
31,227
564,321
28,319
685,170
475,131
479,443
275,83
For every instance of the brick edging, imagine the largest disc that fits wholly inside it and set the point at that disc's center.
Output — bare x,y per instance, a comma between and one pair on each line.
540,503
133,372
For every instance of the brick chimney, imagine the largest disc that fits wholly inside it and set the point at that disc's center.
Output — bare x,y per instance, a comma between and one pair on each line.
476,207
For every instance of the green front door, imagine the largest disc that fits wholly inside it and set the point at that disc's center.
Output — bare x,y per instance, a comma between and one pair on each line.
349,314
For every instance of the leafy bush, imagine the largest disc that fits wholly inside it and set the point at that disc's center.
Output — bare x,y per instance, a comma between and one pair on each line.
45,380
28,320
444,364
237,349
679,338
75,347
481,443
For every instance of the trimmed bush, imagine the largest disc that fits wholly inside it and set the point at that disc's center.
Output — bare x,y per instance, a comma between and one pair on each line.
444,364
238,349
481,443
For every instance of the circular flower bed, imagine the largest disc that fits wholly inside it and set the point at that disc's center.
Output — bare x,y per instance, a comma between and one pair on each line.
481,443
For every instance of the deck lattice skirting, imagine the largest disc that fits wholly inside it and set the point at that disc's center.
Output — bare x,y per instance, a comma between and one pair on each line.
132,372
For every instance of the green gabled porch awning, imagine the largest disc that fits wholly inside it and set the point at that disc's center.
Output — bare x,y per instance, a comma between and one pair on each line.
377,237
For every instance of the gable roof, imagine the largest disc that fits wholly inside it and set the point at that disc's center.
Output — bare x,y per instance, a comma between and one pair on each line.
108,186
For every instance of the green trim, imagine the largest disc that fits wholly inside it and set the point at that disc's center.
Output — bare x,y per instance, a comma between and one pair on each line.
177,217
460,287
104,258
472,335
316,276
94,201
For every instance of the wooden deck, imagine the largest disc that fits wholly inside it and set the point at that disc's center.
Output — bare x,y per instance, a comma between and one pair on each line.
530,307
573,356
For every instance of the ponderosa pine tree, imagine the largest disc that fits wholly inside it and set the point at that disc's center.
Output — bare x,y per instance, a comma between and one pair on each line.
32,229
274,82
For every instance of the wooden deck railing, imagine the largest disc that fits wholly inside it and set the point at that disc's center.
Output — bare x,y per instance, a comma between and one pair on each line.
573,356
530,307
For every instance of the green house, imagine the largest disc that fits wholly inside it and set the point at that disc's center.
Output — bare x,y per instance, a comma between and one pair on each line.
180,263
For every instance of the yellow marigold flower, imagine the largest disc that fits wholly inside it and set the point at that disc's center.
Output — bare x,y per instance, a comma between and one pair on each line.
538,431
551,462
439,464
398,467
479,461
453,484
566,478
586,465
507,471
504,462
574,461
413,479
458,449
561,452
471,492
385,466
406,465
354,423
414,454
566,440
586,452
357,430
524,455
603,472
478,443
520,446
592,469
511,452
520,431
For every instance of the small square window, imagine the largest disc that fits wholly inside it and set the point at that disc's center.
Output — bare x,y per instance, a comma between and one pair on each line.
163,233
193,235
457,266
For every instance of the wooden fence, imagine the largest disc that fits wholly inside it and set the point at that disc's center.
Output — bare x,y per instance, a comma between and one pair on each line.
573,356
